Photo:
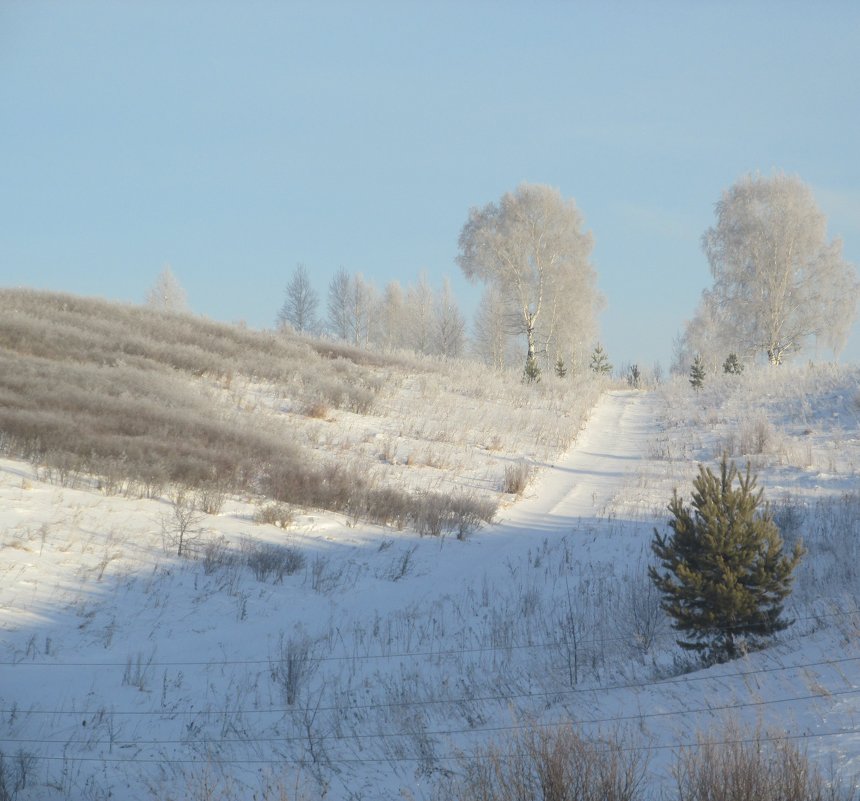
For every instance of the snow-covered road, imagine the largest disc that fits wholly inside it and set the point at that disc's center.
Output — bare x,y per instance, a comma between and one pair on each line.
602,462
572,495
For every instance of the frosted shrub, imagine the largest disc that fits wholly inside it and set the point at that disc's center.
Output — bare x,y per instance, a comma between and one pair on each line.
437,514
639,617
517,477
554,763
210,499
736,765
274,514
216,555
293,666
756,436
272,561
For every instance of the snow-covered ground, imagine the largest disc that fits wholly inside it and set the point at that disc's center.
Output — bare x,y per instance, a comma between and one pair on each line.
379,659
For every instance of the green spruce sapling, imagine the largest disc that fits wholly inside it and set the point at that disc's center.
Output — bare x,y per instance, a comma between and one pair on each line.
697,373
723,573
600,361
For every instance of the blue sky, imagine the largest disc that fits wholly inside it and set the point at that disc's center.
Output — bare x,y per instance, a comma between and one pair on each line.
233,140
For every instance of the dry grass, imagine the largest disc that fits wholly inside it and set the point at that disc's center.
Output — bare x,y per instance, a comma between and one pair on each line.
134,401
552,763
557,763
517,477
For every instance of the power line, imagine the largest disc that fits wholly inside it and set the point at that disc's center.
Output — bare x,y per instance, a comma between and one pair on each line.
564,644
680,680
448,732
441,758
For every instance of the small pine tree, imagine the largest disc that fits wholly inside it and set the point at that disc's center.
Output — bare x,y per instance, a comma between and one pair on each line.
531,373
697,373
724,575
732,365
560,367
600,361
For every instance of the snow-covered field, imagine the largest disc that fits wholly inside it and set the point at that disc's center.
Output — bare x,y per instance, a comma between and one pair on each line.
338,659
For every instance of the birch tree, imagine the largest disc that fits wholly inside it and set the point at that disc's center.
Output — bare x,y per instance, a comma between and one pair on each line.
709,336
352,302
300,302
778,282
392,318
449,328
362,301
419,305
531,246
339,304
492,328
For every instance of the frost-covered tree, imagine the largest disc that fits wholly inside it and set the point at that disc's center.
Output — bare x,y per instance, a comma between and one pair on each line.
420,309
301,301
167,293
708,336
492,329
531,247
392,321
449,327
778,282
723,573
352,305
362,302
339,304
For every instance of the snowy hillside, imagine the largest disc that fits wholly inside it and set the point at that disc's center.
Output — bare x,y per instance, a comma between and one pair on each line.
331,656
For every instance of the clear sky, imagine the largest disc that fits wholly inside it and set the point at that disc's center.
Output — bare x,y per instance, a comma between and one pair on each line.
232,140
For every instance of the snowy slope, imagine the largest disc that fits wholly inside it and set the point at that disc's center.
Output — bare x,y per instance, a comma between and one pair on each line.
373,668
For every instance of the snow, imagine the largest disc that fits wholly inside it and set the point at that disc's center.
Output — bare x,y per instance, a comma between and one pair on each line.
133,674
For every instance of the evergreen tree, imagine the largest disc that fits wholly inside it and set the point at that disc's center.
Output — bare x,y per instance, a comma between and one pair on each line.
724,574
697,373
600,361
531,374
732,365
560,368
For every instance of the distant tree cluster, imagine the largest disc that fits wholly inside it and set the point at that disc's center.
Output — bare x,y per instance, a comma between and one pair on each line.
533,257
417,318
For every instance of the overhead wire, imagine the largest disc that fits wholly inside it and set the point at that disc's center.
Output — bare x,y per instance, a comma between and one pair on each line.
640,716
441,652
675,681
281,760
